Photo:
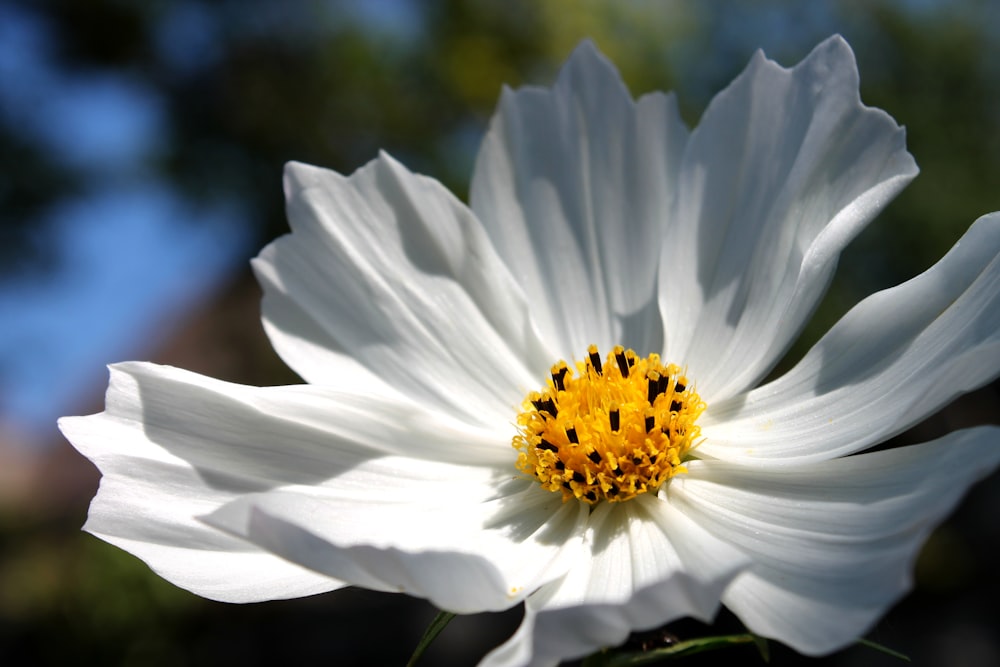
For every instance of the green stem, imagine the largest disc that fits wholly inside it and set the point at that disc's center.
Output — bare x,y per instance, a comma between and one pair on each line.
883,649
678,650
439,623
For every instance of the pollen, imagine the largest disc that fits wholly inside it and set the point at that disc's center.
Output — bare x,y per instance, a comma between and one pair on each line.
608,429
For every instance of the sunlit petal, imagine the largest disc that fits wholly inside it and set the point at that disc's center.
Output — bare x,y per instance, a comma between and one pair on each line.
573,184
833,543
784,169
382,266
894,359
646,564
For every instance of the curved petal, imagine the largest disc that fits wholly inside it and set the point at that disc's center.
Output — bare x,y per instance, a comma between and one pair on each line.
467,544
173,445
646,564
785,168
391,269
573,185
833,542
894,359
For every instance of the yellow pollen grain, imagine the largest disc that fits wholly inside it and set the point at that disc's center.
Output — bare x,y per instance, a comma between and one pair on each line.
608,430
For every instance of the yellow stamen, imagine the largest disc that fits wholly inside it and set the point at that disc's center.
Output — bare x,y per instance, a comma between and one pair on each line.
611,430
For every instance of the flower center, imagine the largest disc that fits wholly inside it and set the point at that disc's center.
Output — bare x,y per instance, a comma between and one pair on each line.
611,430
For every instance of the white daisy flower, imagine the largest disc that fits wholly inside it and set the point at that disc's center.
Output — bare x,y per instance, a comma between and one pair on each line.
551,395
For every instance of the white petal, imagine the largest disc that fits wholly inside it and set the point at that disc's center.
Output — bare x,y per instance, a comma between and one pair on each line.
173,445
785,168
647,565
833,542
391,269
466,543
573,185
895,358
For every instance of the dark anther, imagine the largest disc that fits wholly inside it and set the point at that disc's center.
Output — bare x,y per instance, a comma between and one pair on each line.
548,405
663,384
613,491
652,459
571,434
675,406
594,456
559,377
590,495
615,418
650,422
560,465
578,477
654,387
545,444
636,460
679,387
595,359
623,364
566,485
617,470
631,360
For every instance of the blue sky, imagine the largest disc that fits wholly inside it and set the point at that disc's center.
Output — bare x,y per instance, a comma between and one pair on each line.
130,270
133,257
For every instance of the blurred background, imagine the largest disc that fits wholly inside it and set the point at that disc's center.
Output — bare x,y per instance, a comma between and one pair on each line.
141,148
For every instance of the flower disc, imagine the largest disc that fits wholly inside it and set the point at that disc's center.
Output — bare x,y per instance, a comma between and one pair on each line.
609,431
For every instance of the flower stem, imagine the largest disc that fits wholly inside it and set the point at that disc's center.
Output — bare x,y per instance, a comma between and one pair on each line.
678,650
883,649
433,630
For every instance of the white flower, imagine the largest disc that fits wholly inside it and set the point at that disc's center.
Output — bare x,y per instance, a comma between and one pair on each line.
423,326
